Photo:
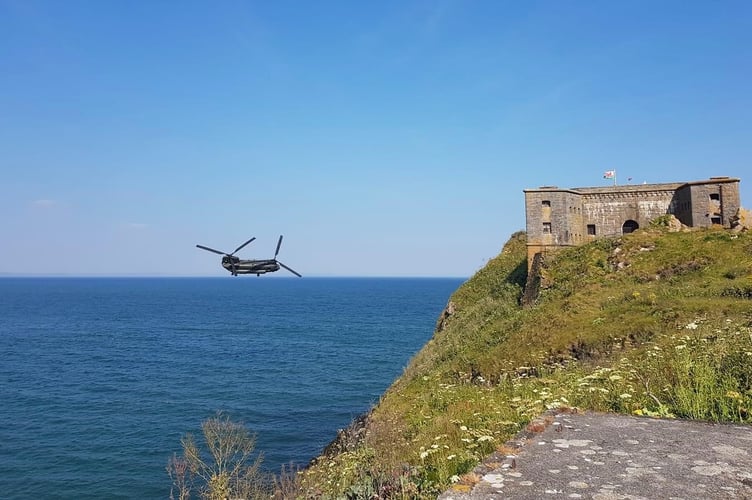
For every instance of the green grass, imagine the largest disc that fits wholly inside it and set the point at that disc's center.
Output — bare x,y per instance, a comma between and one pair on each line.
653,323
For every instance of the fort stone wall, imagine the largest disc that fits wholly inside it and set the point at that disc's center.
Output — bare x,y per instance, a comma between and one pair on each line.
711,202
607,213
553,219
557,218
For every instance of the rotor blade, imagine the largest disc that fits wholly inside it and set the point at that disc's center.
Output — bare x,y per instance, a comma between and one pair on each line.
241,246
279,244
292,271
210,250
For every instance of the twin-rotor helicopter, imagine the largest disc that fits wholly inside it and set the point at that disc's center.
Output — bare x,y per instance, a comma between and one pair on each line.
236,265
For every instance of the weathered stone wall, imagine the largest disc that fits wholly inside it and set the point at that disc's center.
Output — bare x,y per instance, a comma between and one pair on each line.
682,206
553,219
557,218
713,202
609,211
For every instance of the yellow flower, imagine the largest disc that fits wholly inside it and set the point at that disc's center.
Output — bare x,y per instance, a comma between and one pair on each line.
733,395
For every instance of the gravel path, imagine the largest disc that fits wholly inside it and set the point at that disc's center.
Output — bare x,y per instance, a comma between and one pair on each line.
609,457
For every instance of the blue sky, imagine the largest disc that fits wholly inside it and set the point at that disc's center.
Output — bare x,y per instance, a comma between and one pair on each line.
389,138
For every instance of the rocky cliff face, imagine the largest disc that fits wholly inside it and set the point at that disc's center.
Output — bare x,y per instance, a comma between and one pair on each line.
444,317
347,439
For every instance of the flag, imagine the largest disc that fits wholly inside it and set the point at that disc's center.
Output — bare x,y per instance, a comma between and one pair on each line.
609,174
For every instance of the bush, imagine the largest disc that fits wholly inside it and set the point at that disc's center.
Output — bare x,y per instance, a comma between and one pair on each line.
222,466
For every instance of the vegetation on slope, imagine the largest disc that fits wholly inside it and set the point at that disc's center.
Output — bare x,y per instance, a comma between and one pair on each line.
653,323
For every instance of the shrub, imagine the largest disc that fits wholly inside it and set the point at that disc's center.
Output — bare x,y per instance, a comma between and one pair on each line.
222,466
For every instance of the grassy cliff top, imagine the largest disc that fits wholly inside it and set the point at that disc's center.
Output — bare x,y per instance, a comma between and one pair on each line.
653,323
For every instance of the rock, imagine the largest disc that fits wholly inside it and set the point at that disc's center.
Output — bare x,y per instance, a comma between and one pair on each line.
445,315
675,225
741,220
347,439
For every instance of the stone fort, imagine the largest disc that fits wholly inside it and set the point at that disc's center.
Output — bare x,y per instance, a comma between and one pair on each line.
559,218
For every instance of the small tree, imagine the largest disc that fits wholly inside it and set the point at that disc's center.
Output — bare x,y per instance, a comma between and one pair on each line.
177,468
222,467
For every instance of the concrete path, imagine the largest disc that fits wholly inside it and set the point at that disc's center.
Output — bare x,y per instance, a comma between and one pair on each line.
609,457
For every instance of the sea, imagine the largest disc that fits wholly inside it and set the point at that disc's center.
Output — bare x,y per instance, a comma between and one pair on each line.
101,377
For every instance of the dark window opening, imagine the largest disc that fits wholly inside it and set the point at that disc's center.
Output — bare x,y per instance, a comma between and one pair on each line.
546,228
591,229
629,227
546,203
715,220
715,196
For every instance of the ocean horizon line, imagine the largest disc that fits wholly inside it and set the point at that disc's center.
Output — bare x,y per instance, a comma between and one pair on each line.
206,276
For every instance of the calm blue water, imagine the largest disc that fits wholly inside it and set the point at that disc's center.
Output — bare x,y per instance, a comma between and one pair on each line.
99,377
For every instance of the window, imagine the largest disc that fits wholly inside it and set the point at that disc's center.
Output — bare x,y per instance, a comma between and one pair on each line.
715,196
715,220
546,228
591,229
546,203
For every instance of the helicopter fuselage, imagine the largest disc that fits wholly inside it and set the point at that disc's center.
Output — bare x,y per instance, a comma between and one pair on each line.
257,267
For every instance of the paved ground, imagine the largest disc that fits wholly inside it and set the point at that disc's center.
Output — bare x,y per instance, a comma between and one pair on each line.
609,457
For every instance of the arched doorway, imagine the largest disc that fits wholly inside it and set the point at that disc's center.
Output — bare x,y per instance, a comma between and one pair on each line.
629,227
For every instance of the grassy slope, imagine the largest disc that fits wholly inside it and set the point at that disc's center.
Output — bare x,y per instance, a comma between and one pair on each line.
652,323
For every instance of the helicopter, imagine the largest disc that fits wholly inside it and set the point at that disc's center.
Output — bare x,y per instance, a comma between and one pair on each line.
258,267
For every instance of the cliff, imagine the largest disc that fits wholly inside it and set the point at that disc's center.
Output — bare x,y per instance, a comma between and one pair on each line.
653,323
